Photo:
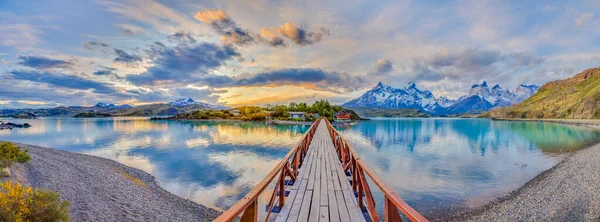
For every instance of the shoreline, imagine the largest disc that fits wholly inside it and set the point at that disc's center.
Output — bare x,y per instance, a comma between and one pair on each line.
277,122
549,192
100,189
594,123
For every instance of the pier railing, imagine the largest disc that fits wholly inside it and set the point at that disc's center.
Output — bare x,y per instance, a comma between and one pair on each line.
352,163
287,168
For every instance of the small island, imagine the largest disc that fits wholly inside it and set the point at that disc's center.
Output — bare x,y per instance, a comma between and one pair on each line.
92,115
10,126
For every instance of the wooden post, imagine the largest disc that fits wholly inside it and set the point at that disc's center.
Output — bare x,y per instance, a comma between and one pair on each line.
282,188
251,213
391,212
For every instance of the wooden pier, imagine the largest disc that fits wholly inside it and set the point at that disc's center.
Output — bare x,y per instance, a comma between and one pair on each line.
321,179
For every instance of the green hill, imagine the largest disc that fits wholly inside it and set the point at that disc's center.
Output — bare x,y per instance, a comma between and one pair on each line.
577,97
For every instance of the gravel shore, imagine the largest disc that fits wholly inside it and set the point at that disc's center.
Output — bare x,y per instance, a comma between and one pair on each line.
99,189
570,191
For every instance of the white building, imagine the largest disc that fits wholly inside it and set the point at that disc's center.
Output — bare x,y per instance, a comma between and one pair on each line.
299,115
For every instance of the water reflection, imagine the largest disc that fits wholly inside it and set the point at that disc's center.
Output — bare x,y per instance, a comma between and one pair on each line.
212,163
449,164
433,163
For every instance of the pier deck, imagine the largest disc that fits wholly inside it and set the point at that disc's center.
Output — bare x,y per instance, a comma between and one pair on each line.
322,191
320,179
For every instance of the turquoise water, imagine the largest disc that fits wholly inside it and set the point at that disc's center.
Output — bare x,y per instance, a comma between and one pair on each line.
434,164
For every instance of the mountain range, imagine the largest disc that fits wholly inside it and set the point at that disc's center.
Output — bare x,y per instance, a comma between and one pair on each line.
157,109
577,97
479,99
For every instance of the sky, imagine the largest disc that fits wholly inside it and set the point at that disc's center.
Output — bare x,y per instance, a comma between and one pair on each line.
256,52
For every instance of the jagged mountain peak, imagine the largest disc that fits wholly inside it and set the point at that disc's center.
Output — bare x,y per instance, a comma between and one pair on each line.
384,96
483,84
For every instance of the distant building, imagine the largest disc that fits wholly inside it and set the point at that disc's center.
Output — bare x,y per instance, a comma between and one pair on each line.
235,112
314,115
268,114
342,115
299,115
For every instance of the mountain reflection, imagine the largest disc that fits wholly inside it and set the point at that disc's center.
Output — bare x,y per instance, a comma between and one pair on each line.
435,164
432,163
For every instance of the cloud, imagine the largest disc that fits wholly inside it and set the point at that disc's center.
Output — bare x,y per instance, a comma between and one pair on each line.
231,32
334,81
270,38
470,64
469,58
19,36
228,29
5,62
521,59
584,17
300,36
130,30
126,58
105,71
182,38
383,66
91,45
183,63
63,80
40,62
207,94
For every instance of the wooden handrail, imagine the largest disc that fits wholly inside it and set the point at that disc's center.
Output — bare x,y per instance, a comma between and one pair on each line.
352,162
249,204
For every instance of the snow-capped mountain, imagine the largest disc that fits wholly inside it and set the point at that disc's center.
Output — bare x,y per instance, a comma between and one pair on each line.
445,102
523,92
182,102
500,97
479,99
384,96
190,101
112,106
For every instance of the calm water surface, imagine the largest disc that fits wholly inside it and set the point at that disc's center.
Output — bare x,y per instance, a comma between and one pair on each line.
434,164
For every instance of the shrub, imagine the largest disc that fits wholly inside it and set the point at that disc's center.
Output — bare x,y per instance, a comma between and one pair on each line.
9,154
19,203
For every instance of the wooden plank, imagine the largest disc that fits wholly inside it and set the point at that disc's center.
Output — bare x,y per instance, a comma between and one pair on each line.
314,214
305,210
295,211
350,201
324,201
314,161
323,215
343,210
334,215
285,211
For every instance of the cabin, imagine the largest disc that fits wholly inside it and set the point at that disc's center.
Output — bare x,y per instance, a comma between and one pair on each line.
268,114
235,112
299,115
342,115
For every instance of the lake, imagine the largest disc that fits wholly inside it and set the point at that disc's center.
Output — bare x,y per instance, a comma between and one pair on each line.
436,165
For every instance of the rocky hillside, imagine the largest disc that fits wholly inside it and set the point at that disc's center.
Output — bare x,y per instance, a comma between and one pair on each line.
577,97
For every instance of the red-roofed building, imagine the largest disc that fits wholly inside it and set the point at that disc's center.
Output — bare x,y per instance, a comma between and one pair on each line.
342,115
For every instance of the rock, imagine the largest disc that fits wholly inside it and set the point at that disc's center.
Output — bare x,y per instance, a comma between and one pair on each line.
5,172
